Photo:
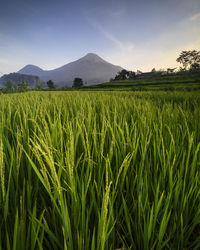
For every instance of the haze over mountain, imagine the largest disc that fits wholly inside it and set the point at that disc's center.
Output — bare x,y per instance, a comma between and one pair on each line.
15,78
91,68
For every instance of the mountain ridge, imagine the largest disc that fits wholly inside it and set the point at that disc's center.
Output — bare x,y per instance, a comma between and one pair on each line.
91,68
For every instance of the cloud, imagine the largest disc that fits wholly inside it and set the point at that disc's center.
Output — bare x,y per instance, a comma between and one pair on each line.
117,13
121,45
122,52
195,17
127,55
160,51
112,38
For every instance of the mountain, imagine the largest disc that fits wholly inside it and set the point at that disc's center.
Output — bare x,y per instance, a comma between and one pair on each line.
16,78
31,70
91,68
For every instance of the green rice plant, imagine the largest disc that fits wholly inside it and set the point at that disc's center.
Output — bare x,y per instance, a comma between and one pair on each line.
100,170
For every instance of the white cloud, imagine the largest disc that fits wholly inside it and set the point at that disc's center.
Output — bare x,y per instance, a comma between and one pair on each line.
143,59
195,17
161,51
119,13
122,53
120,45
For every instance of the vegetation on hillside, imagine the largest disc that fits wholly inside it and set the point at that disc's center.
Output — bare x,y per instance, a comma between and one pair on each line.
186,77
180,81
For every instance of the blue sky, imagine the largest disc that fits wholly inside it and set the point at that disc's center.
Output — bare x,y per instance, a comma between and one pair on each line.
131,33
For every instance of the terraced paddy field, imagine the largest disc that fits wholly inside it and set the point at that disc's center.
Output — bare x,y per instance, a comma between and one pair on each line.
100,170
178,82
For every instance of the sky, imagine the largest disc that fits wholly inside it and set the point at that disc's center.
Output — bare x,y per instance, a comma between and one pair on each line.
135,34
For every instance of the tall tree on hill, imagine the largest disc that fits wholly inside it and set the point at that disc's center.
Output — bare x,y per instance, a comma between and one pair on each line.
78,82
50,84
189,59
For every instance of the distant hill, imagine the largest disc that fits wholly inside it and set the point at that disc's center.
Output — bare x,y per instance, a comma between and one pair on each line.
31,70
91,68
16,78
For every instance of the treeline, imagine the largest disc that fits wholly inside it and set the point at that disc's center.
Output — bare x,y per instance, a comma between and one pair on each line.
189,60
14,88
10,87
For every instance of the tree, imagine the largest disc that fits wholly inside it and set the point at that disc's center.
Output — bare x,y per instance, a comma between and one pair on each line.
195,66
24,86
38,87
8,87
131,75
50,84
189,59
124,75
78,82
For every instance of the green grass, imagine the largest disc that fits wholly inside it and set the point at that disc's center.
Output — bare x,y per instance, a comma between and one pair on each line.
100,170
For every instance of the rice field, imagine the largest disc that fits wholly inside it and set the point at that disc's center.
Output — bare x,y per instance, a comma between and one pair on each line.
100,170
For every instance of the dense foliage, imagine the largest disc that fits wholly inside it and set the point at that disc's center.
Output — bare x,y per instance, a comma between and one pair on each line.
78,82
51,84
124,75
190,59
106,170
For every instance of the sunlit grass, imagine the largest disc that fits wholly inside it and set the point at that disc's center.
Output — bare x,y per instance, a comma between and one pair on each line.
100,170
